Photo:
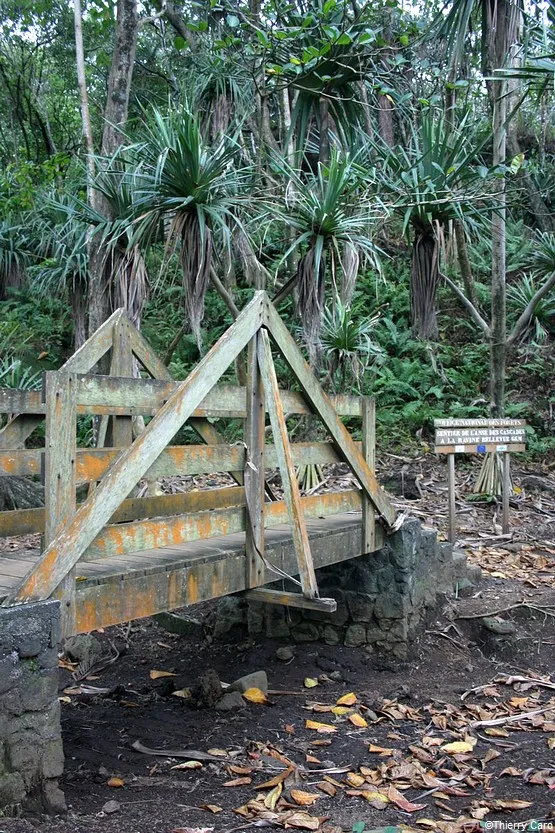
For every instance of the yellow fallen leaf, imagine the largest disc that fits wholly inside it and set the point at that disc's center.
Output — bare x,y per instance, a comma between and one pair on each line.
212,808
429,824
304,799
64,699
354,779
322,728
255,695
115,782
273,797
218,753
551,742
188,765
378,800
457,747
379,750
341,710
157,675
310,682
277,779
347,699
358,721
494,732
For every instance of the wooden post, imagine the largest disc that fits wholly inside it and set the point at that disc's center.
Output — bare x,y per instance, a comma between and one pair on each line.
254,469
287,469
59,476
506,490
451,496
122,365
369,454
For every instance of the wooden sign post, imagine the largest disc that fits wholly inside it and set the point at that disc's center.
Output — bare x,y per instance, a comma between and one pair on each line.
478,436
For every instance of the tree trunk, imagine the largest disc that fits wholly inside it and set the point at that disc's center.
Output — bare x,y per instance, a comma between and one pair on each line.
498,342
324,146
85,113
385,121
115,117
423,285
464,264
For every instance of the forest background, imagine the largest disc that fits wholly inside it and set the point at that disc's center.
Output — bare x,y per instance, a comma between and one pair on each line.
384,170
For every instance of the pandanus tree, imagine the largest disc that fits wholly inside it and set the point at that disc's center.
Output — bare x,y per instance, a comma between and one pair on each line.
193,189
331,216
431,183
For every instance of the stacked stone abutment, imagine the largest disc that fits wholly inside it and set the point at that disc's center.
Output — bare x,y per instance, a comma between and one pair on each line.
31,752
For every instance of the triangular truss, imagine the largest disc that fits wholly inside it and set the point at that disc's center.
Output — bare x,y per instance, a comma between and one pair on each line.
256,327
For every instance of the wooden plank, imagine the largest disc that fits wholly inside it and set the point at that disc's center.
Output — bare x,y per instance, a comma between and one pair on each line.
254,468
14,434
324,407
21,522
506,491
122,365
369,454
171,531
59,476
109,394
106,601
452,528
14,401
277,597
135,461
93,463
147,356
286,466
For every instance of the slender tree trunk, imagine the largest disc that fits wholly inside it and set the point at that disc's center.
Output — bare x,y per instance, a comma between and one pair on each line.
324,147
385,120
498,341
464,264
85,112
115,117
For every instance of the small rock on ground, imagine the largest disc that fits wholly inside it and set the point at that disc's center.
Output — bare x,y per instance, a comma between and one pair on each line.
230,702
258,679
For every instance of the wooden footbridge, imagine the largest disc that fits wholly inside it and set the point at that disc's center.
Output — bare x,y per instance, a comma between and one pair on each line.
113,557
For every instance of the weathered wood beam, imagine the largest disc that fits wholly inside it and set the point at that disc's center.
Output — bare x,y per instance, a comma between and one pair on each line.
278,597
127,470
286,466
369,454
123,538
254,468
323,406
14,434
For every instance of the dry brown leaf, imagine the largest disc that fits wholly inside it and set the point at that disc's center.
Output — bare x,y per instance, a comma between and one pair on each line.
347,699
358,721
513,771
380,750
157,675
289,728
490,755
255,695
321,728
354,779
243,811
238,782
239,770
397,798
324,787
303,821
496,733
115,782
551,742
218,753
378,800
277,779
188,765
304,799
510,804
211,808
185,693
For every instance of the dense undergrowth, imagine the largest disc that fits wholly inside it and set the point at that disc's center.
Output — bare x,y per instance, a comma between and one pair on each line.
367,348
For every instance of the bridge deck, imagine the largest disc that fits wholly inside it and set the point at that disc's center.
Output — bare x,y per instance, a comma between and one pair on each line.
113,590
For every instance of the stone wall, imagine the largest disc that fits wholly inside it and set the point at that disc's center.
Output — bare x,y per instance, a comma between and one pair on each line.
383,599
31,752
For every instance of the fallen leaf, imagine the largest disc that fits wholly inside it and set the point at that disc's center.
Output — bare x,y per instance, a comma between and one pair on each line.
310,682
115,782
238,782
111,807
157,675
347,699
304,799
289,728
513,771
255,695
380,750
378,800
321,728
302,820
496,733
457,747
239,770
341,710
354,779
185,693
277,779
510,804
358,721
211,808
273,797
64,699
396,798
324,787
551,742
192,830
188,765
